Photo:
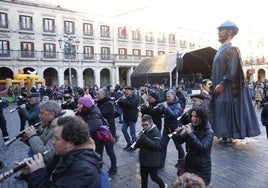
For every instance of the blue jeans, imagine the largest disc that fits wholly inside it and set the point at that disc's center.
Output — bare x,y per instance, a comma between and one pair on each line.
132,126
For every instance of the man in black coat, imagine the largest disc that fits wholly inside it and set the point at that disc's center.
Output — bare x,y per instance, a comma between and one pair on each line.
151,108
75,163
129,103
149,143
3,124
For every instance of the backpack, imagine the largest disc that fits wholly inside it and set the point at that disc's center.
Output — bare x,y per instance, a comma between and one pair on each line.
104,179
103,133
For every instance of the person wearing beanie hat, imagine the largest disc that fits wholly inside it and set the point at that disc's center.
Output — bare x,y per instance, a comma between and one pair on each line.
151,108
85,101
153,95
230,91
92,115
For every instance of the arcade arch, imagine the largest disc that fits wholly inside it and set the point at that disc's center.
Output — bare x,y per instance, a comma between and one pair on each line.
105,77
6,72
73,77
88,77
51,77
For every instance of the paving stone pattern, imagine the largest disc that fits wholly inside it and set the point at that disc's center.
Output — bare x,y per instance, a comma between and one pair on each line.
243,164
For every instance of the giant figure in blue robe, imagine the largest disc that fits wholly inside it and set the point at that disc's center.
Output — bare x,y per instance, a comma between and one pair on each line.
232,112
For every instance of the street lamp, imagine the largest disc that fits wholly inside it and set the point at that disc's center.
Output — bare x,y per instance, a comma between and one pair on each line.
69,47
179,64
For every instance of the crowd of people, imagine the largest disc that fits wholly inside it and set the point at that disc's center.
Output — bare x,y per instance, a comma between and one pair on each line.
69,130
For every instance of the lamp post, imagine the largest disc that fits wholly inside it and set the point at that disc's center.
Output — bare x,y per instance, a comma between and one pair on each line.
69,46
178,66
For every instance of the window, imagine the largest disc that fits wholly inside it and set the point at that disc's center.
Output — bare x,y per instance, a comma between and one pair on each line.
122,53
88,29
122,32
161,39
3,20
149,53
171,38
4,48
88,52
49,50
105,31
161,52
48,25
192,45
136,53
149,37
69,27
105,53
26,22
27,49
136,35
182,43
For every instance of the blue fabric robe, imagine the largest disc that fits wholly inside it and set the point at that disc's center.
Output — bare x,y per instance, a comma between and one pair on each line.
232,112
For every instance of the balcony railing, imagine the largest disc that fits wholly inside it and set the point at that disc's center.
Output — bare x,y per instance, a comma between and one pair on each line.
56,56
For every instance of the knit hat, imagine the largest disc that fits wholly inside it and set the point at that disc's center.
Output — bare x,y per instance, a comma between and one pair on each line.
85,101
154,95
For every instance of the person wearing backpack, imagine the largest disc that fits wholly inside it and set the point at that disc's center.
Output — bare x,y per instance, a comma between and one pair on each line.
92,115
106,106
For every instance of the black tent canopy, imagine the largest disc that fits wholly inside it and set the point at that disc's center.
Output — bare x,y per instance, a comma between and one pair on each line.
162,69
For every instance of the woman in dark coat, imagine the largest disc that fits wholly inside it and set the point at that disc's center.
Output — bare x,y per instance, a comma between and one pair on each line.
198,137
92,115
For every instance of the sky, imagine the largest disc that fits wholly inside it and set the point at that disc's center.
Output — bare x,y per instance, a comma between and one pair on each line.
198,15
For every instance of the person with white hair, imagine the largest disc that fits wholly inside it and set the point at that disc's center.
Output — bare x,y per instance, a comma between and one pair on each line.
171,109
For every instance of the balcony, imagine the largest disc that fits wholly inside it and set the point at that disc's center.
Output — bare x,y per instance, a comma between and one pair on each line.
56,56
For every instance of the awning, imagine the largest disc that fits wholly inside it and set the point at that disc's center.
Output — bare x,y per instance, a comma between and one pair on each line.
163,68
197,61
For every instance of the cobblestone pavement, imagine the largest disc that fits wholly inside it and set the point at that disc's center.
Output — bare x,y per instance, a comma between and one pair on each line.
242,164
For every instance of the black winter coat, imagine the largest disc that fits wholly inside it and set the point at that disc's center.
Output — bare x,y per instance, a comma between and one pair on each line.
198,147
153,111
78,168
149,144
264,115
130,107
107,108
93,119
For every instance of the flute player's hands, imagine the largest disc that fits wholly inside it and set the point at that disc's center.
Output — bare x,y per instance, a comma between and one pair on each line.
25,170
36,162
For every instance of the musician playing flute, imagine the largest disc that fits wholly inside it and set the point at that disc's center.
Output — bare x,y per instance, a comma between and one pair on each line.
75,164
149,155
172,111
40,139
